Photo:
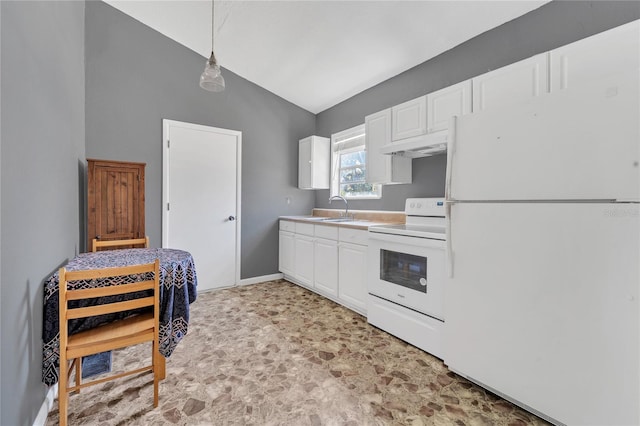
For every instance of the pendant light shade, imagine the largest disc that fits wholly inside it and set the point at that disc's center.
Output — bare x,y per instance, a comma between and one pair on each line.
211,79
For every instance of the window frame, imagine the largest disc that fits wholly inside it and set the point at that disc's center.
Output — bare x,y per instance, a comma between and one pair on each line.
343,137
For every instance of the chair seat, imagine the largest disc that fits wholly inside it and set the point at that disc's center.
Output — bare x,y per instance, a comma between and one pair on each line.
109,336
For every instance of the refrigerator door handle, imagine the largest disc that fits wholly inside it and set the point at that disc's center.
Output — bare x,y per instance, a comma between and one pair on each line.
449,252
451,149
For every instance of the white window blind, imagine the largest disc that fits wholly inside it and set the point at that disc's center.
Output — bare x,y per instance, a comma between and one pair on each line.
349,163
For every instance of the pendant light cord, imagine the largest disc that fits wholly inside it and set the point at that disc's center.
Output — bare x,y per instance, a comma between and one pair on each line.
213,21
212,59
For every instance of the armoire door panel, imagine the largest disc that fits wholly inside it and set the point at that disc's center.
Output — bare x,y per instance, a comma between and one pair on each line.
115,200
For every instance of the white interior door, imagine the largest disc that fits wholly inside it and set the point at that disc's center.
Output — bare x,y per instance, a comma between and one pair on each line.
201,199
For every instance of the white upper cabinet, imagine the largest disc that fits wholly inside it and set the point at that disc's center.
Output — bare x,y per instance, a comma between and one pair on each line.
574,66
381,168
511,84
409,119
377,134
313,163
448,102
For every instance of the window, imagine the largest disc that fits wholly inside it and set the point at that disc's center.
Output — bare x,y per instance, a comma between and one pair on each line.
349,166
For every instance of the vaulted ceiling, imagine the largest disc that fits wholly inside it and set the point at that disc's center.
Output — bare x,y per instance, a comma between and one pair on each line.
316,54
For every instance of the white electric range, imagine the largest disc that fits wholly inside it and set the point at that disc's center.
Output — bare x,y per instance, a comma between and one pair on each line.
407,274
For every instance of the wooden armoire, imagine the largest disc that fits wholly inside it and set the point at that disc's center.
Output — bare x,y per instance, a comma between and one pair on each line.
115,200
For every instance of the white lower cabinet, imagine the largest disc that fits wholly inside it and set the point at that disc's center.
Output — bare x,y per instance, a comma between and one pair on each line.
304,259
286,248
352,275
326,266
286,253
329,260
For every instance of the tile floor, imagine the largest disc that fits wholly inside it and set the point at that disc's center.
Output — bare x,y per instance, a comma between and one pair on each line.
277,354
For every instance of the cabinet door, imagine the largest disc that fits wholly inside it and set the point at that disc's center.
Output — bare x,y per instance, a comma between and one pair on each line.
575,65
378,133
326,266
448,102
303,260
115,200
286,253
409,119
352,261
511,84
320,162
304,164
314,163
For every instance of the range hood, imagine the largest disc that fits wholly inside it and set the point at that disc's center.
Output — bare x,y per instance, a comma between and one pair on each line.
418,146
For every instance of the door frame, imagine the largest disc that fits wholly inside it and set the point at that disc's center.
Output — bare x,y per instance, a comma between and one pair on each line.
166,124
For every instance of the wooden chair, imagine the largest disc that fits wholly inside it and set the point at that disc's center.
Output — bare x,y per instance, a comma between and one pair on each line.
114,335
96,244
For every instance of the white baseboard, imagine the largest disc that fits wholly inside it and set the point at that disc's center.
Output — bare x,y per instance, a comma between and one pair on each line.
256,280
47,405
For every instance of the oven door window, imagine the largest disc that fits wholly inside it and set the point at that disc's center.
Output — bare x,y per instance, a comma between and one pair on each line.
406,270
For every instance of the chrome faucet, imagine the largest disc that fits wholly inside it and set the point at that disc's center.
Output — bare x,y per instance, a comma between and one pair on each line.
346,205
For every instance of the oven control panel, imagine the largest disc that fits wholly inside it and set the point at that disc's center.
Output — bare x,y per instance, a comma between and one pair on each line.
425,207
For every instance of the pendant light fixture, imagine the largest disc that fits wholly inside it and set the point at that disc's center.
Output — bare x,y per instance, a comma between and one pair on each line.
211,79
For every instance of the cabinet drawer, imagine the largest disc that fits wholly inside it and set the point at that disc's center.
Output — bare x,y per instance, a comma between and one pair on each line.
327,231
304,228
285,225
355,236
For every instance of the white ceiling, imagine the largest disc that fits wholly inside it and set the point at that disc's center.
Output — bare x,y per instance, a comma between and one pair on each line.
316,54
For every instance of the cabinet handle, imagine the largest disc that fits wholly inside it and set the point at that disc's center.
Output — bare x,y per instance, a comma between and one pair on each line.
451,149
231,218
449,252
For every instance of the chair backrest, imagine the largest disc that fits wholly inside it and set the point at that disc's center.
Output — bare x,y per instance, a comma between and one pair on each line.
116,296
132,242
107,274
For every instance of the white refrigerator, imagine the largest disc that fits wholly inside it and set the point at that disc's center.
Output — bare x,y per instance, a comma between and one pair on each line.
541,304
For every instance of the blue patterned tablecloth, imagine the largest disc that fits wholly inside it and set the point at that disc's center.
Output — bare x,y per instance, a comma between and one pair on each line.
178,284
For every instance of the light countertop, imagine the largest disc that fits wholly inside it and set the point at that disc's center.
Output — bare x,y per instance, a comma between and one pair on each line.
363,219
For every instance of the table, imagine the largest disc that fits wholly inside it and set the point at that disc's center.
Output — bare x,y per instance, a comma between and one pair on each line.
178,282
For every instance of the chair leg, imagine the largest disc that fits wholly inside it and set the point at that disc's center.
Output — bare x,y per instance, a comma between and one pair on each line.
62,391
78,363
162,364
156,372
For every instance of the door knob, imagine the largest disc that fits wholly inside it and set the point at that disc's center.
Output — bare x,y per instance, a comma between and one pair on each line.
231,218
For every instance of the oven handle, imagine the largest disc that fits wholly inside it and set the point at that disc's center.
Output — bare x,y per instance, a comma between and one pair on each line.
448,208
402,239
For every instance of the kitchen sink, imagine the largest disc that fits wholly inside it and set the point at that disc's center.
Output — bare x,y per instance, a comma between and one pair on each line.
338,219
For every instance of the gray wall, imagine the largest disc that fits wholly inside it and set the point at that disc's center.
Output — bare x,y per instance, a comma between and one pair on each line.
42,85
136,77
555,24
